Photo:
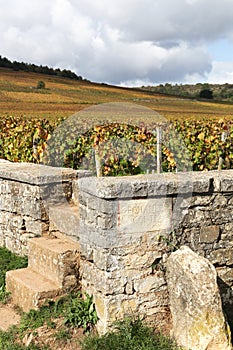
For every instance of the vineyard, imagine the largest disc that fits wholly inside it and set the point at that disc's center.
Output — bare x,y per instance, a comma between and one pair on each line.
122,148
195,134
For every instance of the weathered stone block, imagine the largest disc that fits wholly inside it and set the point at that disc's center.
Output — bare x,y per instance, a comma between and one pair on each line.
56,193
220,201
54,258
198,320
105,206
110,309
227,182
141,260
101,281
105,222
29,289
209,234
143,215
150,284
146,185
37,227
226,275
35,174
65,218
222,256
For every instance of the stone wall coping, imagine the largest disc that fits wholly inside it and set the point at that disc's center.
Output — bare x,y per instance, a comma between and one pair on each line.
158,184
123,186
35,174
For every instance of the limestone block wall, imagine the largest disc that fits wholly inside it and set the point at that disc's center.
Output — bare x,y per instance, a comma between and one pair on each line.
130,225
207,228
26,192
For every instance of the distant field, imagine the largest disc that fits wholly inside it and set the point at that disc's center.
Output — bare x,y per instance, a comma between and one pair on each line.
63,97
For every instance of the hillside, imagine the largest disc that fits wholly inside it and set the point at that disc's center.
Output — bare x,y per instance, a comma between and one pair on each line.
62,97
218,92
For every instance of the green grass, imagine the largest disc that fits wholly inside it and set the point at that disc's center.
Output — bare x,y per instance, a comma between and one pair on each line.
76,311
7,342
72,307
8,261
80,312
130,334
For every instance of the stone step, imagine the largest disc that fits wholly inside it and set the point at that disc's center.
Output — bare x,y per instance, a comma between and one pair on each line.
55,258
29,289
64,221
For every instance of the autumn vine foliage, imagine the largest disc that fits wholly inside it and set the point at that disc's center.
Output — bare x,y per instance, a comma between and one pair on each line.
122,148
206,141
24,140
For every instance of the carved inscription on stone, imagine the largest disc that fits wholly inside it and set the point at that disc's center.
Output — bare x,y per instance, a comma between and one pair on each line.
143,215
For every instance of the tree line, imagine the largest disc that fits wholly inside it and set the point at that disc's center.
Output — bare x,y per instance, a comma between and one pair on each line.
30,67
216,92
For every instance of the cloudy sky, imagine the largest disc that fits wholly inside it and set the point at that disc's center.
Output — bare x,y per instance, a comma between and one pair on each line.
123,42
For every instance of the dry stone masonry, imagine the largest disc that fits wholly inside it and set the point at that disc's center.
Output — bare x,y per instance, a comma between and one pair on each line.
125,229
24,189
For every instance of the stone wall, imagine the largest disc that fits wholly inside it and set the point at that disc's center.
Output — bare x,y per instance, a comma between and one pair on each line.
129,226
126,227
26,191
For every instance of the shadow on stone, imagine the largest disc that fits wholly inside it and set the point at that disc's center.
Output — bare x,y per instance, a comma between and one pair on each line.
227,301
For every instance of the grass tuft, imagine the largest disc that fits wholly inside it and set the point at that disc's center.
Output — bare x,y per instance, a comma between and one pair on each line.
129,334
8,261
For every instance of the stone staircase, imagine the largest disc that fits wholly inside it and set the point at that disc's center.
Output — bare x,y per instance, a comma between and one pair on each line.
53,270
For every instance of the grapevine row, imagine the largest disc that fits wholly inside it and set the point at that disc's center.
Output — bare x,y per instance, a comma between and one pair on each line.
122,148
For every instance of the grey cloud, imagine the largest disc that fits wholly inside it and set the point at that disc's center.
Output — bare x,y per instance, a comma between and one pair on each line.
157,20
153,64
116,40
